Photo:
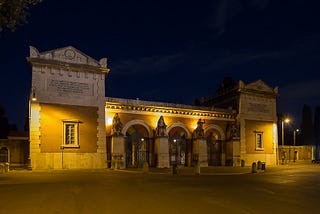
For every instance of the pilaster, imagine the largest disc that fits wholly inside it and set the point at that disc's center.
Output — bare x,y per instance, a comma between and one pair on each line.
162,152
118,153
200,151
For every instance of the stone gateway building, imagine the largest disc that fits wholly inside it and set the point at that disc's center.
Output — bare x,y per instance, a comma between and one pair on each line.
73,124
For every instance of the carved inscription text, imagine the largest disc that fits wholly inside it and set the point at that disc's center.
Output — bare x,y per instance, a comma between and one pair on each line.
258,107
63,87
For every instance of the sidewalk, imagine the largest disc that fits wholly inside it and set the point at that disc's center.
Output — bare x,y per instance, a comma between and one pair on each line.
211,170
224,170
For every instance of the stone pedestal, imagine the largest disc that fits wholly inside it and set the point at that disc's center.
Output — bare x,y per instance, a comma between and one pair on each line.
162,152
236,152
118,153
200,151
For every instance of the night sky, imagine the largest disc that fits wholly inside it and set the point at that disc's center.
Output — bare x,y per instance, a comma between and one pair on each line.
172,50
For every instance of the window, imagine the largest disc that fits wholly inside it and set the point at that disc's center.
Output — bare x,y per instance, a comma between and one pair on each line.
70,133
259,141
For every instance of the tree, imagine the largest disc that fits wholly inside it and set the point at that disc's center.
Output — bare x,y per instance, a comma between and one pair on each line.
4,125
317,130
14,12
306,126
227,83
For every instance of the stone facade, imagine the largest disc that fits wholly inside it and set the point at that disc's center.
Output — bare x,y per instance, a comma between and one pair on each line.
15,150
73,124
256,120
296,154
177,143
67,96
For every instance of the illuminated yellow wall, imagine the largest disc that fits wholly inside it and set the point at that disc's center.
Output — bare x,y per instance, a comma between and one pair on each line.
51,127
259,126
152,120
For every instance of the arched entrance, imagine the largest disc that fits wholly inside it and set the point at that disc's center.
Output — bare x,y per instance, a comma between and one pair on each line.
214,145
4,155
177,146
137,146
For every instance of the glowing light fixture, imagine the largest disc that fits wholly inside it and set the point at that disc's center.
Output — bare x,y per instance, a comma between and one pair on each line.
109,120
285,120
33,98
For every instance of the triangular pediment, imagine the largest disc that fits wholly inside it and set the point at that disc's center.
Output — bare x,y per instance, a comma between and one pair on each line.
259,85
67,54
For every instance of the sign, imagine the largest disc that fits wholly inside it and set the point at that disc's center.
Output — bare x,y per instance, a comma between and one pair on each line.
63,87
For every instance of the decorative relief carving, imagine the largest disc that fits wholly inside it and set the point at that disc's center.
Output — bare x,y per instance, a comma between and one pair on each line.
34,52
66,87
259,86
103,62
69,54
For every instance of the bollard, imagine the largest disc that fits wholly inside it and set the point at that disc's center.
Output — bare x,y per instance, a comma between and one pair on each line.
263,166
1,168
254,167
145,167
197,169
242,163
259,165
6,167
174,169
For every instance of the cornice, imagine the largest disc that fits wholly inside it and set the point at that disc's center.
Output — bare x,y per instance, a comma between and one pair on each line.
171,111
66,66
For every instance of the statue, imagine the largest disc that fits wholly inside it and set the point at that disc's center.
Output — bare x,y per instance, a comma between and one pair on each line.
116,125
199,132
233,131
161,127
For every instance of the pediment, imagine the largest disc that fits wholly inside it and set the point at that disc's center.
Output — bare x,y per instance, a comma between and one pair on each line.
67,54
259,85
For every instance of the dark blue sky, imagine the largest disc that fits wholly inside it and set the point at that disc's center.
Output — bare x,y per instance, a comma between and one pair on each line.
172,50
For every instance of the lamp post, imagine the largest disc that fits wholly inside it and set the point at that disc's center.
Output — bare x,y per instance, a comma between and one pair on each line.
283,154
295,136
294,144
286,120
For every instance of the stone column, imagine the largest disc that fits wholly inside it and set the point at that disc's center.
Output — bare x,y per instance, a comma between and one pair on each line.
162,152
200,151
236,151
34,137
118,152
223,153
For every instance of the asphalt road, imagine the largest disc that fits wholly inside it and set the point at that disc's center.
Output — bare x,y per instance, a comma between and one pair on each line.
284,189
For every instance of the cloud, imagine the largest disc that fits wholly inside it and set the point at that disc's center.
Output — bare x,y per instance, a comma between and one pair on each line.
301,90
224,11
150,64
294,96
225,60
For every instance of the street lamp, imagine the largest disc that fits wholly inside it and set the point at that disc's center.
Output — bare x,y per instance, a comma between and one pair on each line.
285,120
294,144
295,136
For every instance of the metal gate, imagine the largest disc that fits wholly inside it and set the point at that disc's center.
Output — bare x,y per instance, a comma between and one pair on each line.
214,152
177,150
4,154
137,151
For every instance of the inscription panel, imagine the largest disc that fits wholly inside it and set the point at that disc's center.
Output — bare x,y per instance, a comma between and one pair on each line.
66,88
259,108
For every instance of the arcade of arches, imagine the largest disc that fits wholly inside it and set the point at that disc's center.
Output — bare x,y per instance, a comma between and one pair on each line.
189,135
